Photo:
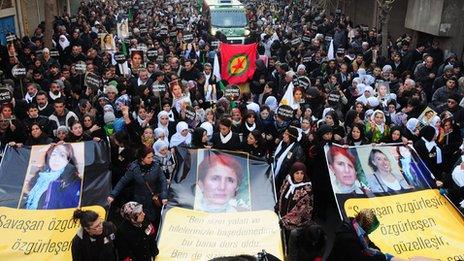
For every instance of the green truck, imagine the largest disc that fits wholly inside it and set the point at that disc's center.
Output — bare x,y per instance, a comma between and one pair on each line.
227,17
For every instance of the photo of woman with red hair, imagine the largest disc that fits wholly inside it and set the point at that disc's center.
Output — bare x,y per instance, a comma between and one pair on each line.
342,164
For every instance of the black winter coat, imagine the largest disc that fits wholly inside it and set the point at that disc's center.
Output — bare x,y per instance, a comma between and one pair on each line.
135,176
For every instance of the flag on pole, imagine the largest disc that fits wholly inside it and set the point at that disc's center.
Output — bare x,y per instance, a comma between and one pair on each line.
238,62
330,52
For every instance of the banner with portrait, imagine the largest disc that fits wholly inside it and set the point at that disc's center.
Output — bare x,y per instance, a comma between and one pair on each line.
415,219
55,176
220,204
40,187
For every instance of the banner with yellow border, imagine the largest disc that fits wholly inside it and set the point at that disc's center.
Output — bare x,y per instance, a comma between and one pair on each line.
38,234
415,219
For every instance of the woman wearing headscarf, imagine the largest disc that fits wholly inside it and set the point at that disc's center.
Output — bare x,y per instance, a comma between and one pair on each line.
287,152
376,128
169,127
411,131
352,239
136,236
295,205
271,102
331,119
429,151
182,135
63,48
320,179
266,118
164,158
199,138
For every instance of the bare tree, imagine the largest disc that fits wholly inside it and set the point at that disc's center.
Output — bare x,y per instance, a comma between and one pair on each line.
385,7
50,13
327,5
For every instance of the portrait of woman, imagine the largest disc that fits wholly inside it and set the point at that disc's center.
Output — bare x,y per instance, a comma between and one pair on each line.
107,43
222,185
136,60
383,179
57,184
342,164
123,28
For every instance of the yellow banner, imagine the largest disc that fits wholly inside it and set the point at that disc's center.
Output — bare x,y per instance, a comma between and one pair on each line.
195,235
421,223
38,234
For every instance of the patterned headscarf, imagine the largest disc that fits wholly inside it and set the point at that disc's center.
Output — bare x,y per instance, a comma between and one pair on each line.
131,210
367,220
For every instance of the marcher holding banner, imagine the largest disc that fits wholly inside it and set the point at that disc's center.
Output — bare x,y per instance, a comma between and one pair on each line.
94,239
136,236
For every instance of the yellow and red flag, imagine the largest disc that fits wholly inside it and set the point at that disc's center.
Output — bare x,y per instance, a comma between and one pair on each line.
238,62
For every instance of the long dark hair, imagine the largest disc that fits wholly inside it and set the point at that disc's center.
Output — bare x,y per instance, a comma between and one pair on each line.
69,152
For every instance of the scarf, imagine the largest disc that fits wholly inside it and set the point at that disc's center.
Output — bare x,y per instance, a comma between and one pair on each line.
294,186
251,128
458,176
29,97
363,239
225,139
64,42
42,184
42,108
177,138
429,145
161,126
282,156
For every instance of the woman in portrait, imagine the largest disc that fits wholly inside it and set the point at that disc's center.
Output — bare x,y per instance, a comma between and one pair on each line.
343,165
107,43
219,180
383,180
57,185
136,60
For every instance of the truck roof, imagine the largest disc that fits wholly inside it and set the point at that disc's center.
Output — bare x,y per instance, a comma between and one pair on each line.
223,3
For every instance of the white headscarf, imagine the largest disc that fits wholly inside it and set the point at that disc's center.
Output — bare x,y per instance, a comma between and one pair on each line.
411,125
381,126
271,101
164,127
209,129
177,138
158,145
158,132
63,42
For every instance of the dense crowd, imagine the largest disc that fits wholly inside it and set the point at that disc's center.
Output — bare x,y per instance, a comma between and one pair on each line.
341,88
